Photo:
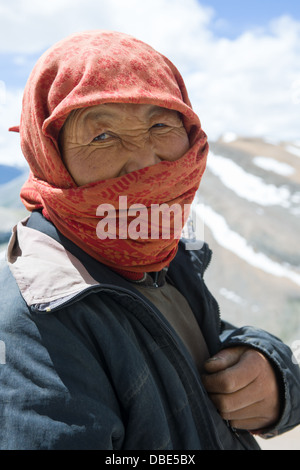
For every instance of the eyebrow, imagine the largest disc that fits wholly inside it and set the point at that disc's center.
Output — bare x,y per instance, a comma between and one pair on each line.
99,115
160,110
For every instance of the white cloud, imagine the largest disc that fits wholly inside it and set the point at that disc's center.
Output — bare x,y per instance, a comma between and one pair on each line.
247,85
10,110
31,25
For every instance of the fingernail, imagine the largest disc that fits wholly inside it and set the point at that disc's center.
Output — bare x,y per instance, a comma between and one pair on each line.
214,358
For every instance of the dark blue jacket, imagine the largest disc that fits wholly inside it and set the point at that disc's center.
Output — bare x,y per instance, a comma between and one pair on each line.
103,369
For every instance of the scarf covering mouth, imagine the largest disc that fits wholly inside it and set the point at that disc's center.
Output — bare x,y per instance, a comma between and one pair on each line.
89,69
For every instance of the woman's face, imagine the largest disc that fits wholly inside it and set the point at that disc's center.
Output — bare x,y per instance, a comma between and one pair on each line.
111,140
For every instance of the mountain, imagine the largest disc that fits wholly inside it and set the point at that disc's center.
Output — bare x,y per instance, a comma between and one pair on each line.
248,207
249,202
247,210
8,173
11,208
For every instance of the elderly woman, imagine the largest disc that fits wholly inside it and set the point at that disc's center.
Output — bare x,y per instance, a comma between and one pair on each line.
114,342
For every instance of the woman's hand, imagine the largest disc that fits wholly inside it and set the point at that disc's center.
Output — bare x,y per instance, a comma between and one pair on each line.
242,384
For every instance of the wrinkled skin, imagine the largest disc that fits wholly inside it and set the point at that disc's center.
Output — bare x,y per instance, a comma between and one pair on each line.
242,384
111,140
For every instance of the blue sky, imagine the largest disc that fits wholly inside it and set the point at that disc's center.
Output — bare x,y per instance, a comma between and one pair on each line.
240,59
233,17
14,68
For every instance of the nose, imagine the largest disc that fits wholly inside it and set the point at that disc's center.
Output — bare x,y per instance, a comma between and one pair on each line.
140,157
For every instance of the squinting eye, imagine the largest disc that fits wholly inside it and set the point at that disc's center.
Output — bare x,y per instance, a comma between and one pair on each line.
101,137
159,124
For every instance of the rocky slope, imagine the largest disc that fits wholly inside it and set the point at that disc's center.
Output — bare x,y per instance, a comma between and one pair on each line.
248,210
252,222
11,208
249,201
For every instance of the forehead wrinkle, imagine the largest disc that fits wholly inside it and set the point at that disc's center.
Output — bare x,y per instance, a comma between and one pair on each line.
96,116
158,111
118,113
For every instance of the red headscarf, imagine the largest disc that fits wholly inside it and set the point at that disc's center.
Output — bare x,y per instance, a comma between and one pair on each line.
88,69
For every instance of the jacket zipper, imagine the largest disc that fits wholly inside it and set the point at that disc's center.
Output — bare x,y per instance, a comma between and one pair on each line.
155,282
109,288
208,261
206,266
64,302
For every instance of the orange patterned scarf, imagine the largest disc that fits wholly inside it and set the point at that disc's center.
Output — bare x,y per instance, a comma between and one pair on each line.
89,69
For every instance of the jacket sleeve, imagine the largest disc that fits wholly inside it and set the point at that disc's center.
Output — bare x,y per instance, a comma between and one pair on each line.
54,390
41,409
285,365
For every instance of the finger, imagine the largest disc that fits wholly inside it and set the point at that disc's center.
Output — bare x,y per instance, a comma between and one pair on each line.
249,417
237,376
254,411
251,424
255,416
233,402
228,381
224,359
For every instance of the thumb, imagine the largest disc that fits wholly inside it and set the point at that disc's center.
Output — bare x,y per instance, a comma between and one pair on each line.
224,359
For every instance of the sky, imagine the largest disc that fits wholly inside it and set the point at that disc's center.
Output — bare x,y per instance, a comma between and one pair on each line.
240,59
234,17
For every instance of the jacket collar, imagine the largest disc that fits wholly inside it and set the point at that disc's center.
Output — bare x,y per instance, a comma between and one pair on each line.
50,270
43,269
